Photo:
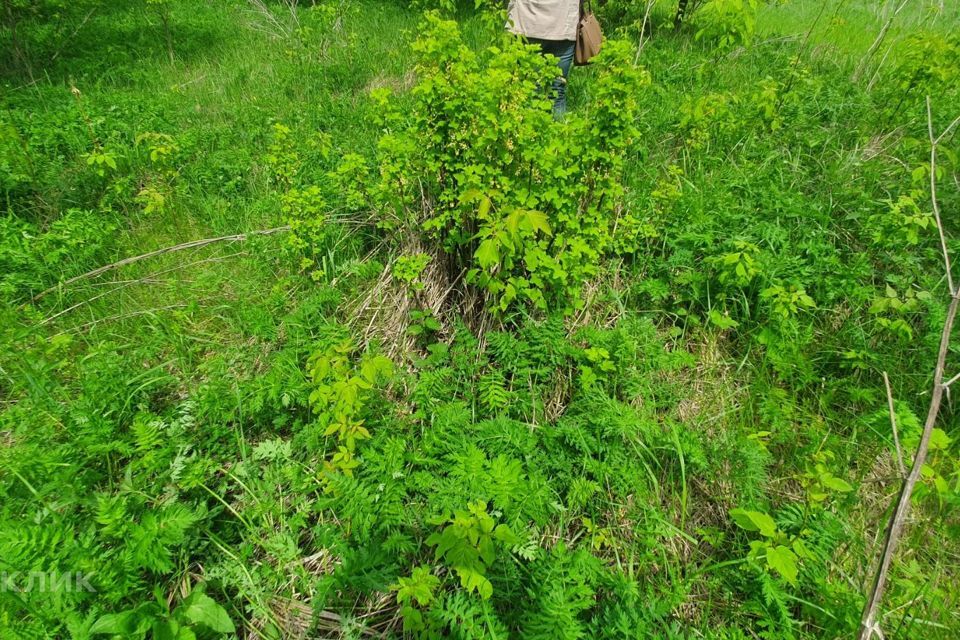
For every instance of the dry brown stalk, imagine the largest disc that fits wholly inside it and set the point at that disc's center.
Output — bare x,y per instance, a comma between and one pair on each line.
893,424
861,68
193,244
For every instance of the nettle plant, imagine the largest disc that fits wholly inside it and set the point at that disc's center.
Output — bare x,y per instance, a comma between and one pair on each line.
303,206
162,151
774,550
781,546
475,161
727,22
492,13
408,269
197,615
929,65
468,543
341,388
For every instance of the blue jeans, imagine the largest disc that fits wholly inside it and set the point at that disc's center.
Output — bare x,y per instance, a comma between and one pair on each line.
563,51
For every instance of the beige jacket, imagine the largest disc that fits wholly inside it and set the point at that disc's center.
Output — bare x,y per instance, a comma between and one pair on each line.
544,19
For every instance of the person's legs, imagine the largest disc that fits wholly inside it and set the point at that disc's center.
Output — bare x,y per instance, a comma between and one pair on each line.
564,53
563,50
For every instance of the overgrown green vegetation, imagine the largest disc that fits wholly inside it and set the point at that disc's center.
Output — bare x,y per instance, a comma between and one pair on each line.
448,367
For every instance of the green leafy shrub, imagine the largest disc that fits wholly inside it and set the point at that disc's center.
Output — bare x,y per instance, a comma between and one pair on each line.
197,613
701,449
528,205
930,65
727,22
34,257
468,543
338,399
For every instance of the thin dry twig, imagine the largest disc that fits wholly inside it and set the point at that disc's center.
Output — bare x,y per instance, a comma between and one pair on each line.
67,40
862,66
193,244
869,623
869,626
148,279
876,72
643,30
125,316
272,26
952,380
893,423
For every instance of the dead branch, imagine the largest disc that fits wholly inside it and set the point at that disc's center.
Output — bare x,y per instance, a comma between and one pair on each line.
67,40
272,25
643,30
876,43
951,381
193,244
148,279
869,624
126,316
893,424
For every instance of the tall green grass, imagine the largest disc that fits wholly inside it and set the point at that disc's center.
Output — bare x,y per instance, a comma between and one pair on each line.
177,388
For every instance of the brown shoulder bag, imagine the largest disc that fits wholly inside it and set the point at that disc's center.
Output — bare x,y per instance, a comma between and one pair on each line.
589,36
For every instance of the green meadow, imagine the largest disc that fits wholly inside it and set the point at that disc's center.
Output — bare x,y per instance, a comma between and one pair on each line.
316,323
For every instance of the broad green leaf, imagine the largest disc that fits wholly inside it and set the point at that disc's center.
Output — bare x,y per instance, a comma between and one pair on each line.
754,521
941,485
722,321
418,587
202,609
504,534
484,209
412,619
831,481
538,222
166,630
472,579
487,550
800,548
122,623
487,254
512,222
939,440
375,368
783,561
